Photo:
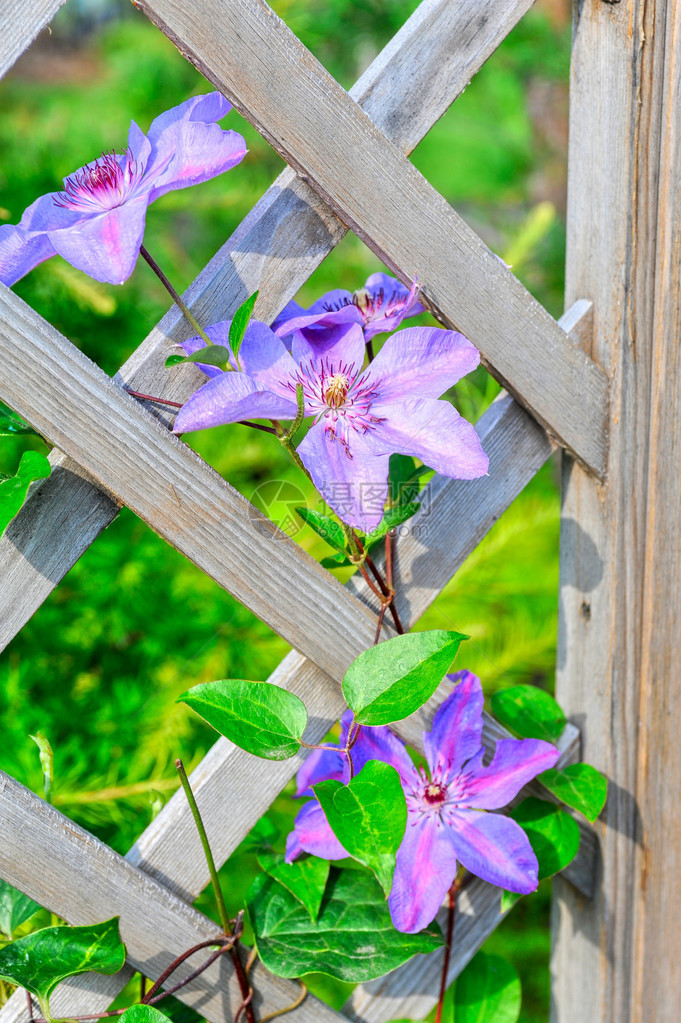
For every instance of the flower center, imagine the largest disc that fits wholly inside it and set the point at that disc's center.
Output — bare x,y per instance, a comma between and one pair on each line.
102,186
337,390
362,298
435,793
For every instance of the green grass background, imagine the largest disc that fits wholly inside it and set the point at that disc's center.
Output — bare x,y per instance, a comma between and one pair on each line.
100,665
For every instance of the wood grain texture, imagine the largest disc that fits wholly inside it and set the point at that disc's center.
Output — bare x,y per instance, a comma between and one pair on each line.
81,879
281,241
20,23
615,959
267,73
426,558
75,405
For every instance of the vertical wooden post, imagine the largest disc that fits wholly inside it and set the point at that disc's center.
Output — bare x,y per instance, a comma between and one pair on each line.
616,959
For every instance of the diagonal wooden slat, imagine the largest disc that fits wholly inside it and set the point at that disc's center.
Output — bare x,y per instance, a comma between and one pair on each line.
20,23
73,403
425,559
84,881
282,240
251,56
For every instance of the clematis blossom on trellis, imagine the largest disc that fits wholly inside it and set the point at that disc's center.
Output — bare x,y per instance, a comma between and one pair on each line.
361,416
97,221
446,822
378,307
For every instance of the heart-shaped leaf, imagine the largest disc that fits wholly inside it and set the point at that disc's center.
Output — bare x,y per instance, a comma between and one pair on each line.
580,786
261,718
15,908
144,1014
530,712
32,466
553,834
305,878
353,939
43,959
324,526
368,816
390,681
237,327
487,991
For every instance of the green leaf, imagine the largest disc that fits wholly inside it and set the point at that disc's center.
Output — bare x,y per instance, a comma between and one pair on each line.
335,561
11,424
553,834
324,526
580,786
33,466
368,817
43,959
393,518
210,355
508,900
46,762
261,718
15,908
144,1014
390,681
402,484
487,991
305,878
237,327
530,712
353,939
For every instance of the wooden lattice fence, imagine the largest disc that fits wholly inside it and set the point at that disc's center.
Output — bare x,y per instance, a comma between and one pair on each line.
620,557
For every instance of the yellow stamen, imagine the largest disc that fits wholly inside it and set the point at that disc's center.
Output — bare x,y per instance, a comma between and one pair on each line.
337,390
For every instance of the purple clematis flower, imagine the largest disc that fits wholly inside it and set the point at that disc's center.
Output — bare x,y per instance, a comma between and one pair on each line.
311,832
361,416
378,307
97,222
446,824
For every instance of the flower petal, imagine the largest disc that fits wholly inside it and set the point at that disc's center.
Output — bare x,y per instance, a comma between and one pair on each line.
516,761
339,349
422,362
20,251
319,766
397,301
456,733
431,430
424,872
106,245
380,743
351,479
228,398
313,835
494,848
190,146
264,357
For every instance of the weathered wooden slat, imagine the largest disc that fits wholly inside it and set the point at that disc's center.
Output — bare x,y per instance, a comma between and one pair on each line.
616,958
251,55
20,23
284,238
75,405
81,879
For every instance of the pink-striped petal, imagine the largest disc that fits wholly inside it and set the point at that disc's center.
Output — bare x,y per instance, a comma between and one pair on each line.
424,872
312,834
516,761
494,848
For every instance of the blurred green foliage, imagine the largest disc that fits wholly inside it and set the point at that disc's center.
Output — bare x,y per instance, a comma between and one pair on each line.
100,665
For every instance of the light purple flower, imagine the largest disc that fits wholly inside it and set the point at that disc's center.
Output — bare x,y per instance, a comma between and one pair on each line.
446,824
378,307
361,416
97,222
311,832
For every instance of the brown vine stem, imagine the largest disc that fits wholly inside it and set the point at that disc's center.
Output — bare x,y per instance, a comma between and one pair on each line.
453,892
178,404
289,1008
189,315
